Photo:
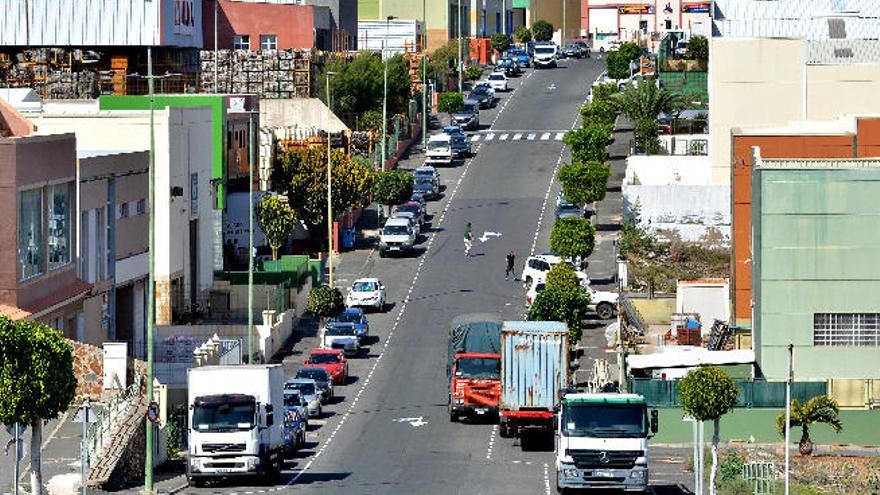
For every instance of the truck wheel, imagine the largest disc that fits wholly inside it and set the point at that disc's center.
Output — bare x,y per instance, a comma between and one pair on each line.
504,431
604,310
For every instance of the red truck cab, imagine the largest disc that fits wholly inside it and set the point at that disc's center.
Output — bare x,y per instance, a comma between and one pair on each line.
475,385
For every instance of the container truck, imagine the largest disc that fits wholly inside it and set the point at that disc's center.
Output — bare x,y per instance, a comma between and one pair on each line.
473,368
534,372
236,418
602,441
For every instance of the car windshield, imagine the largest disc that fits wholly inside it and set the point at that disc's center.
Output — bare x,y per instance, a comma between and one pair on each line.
338,330
569,208
324,358
408,208
348,318
629,421
468,108
304,388
488,368
544,50
496,77
363,287
292,399
318,375
438,145
423,174
224,417
395,230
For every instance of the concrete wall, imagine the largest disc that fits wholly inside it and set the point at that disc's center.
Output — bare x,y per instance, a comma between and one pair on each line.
763,82
708,298
303,112
816,234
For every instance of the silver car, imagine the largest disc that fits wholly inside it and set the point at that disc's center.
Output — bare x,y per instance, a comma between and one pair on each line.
308,389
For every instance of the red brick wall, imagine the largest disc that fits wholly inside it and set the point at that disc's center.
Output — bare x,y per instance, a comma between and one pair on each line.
292,24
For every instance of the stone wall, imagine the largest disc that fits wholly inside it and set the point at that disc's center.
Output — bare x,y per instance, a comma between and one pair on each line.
88,366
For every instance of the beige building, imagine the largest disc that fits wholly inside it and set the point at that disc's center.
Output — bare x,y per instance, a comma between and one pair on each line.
770,82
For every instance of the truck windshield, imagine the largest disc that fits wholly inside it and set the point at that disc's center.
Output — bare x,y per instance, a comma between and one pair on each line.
486,368
438,145
224,417
545,50
603,420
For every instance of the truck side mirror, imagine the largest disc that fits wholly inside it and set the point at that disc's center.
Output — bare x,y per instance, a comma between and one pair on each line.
655,421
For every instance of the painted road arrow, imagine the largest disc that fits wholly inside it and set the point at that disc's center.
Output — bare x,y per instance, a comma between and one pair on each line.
488,235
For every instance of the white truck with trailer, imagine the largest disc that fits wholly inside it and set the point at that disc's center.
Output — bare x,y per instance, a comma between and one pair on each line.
236,418
602,441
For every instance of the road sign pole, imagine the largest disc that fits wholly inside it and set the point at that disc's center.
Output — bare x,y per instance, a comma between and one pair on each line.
17,438
85,447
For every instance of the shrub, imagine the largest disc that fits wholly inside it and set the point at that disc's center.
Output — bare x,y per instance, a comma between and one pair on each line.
572,237
450,102
730,467
584,183
371,120
604,91
599,111
698,48
562,277
523,34
542,30
588,143
568,306
325,302
473,72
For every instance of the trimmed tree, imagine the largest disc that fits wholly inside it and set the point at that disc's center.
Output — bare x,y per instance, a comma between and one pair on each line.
542,31
36,380
473,72
559,304
450,102
698,48
325,301
600,111
523,34
819,409
707,393
616,65
277,221
562,277
572,237
588,143
500,42
584,183
604,91
393,187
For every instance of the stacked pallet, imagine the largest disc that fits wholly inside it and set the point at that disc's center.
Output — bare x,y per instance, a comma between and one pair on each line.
270,73
54,73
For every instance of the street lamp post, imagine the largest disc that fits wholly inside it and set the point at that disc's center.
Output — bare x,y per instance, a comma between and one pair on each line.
424,78
330,193
460,61
151,291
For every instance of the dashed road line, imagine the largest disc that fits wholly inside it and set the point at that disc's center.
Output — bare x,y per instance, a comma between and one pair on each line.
517,136
531,136
545,136
503,137
559,136
546,479
491,442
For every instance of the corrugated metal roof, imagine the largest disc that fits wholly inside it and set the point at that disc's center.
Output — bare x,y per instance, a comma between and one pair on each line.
536,327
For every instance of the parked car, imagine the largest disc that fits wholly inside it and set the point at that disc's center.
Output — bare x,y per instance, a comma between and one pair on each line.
566,209
414,208
427,172
294,401
534,289
310,391
481,95
604,303
546,54
498,81
439,150
427,189
366,292
510,67
537,267
398,236
411,220
585,48
571,50
322,380
461,146
341,336
681,48
294,431
331,360
356,317
521,56
469,115
419,197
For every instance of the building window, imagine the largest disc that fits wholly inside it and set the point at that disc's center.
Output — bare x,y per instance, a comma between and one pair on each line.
241,42
141,206
59,225
30,233
268,42
668,24
123,210
846,329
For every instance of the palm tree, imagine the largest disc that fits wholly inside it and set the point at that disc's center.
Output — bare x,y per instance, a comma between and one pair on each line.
645,101
819,409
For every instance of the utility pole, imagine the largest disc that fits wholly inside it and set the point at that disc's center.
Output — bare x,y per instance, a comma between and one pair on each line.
424,77
216,52
460,61
151,278
562,37
788,418
504,16
251,253
330,189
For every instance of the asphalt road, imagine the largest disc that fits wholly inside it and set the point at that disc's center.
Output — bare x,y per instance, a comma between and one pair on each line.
388,432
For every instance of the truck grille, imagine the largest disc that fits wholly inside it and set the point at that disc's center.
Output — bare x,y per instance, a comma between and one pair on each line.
223,447
593,459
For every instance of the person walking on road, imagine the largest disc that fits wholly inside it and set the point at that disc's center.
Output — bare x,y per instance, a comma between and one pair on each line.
511,260
468,240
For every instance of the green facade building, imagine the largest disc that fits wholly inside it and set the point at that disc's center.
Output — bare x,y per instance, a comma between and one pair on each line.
815,270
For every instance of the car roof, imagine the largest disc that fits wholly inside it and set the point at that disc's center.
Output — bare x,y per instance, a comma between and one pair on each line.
397,221
451,128
425,168
367,279
439,137
313,367
327,351
497,73
357,311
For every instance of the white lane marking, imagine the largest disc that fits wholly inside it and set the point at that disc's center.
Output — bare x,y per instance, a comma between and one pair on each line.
414,422
559,136
475,138
546,479
490,137
517,136
545,136
503,137
531,136
491,442
488,235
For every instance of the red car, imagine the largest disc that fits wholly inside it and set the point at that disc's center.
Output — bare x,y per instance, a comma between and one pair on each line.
332,361
415,208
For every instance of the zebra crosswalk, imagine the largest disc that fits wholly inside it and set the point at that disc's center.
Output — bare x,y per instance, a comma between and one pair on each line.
517,136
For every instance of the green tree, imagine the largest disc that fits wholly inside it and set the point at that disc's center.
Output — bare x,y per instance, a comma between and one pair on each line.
393,187
473,72
645,101
819,409
277,221
646,136
523,34
450,102
500,42
604,91
572,237
358,86
371,120
588,143
630,51
584,183
707,393
37,381
616,65
542,30
562,277
698,48
599,111
325,302
565,305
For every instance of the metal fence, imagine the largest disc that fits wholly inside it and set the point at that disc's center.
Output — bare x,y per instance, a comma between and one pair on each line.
752,394
100,432
761,475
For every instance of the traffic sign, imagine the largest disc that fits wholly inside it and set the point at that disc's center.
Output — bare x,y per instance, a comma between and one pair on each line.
84,415
21,429
153,412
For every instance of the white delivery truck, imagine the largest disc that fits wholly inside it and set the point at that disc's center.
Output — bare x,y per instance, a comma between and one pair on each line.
439,150
236,422
602,441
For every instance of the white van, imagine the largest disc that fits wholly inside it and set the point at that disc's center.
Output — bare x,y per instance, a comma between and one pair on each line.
397,236
546,55
439,149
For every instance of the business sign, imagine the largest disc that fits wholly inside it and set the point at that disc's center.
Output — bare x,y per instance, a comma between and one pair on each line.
637,9
695,8
184,17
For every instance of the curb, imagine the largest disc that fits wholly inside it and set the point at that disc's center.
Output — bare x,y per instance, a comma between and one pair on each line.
858,450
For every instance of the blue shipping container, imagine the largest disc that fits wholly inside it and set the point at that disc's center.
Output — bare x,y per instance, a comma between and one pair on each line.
534,364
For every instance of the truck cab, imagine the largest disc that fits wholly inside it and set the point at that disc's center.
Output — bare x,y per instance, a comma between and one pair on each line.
475,385
440,150
602,441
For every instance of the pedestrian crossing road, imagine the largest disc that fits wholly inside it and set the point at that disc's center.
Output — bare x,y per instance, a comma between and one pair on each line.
517,136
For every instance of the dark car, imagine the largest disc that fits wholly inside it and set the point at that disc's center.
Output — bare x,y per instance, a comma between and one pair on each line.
469,115
585,48
571,50
569,210
510,67
482,96
414,208
356,317
426,188
322,380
